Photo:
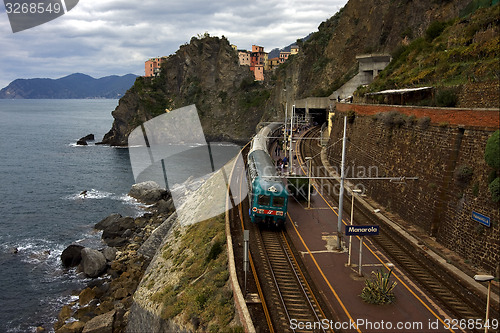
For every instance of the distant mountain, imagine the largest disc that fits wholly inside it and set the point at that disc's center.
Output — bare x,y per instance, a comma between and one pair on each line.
276,52
73,86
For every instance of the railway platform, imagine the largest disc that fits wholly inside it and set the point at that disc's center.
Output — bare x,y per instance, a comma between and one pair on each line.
313,232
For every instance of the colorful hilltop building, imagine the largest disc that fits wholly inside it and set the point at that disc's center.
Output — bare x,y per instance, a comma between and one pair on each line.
256,59
259,62
152,67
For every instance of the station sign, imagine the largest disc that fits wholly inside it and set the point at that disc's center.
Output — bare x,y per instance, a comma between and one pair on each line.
484,220
361,230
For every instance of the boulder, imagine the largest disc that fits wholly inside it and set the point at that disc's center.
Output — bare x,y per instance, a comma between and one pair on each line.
116,242
86,295
73,327
109,253
72,255
108,221
82,143
165,206
88,137
93,262
100,324
115,225
148,192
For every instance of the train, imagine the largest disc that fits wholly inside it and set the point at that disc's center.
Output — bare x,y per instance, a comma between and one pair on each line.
268,195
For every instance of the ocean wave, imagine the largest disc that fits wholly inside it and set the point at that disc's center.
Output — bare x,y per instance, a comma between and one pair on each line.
139,207
41,254
89,194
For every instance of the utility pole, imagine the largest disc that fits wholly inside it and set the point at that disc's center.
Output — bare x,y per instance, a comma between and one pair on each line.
341,195
290,158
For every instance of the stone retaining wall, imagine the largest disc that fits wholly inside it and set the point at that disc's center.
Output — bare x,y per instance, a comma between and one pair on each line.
448,160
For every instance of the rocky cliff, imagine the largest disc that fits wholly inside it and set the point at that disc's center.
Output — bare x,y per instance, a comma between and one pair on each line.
328,59
204,72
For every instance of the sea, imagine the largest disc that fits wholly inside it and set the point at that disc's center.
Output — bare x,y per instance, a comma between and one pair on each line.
42,173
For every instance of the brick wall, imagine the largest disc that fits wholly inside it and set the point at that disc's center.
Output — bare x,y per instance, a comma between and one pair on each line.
440,202
489,118
480,94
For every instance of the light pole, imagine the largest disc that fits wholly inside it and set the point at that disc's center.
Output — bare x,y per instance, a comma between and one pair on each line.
486,278
308,159
290,158
352,219
341,195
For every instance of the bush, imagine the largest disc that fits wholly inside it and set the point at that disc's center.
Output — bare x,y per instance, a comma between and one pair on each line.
447,97
434,30
463,174
492,151
495,189
379,290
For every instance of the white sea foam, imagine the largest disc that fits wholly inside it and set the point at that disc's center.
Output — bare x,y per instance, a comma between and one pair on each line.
89,194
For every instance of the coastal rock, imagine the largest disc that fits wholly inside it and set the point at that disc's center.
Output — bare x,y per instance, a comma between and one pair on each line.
109,253
81,143
86,296
100,324
72,255
165,206
89,137
73,327
117,229
148,192
108,221
93,262
114,228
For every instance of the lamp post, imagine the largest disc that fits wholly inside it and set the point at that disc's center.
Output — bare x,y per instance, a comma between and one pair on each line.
290,158
486,278
352,219
308,159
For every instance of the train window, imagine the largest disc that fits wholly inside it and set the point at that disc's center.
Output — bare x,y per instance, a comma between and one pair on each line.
278,201
264,200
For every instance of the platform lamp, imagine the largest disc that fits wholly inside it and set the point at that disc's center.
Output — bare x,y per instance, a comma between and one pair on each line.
309,174
486,278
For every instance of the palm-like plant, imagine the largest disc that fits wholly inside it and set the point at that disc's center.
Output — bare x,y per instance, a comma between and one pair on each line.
379,289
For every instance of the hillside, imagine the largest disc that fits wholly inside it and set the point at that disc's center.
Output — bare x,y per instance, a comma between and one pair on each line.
204,72
73,86
452,56
327,59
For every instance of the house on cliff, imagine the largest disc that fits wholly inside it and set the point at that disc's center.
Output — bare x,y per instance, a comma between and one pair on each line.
152,67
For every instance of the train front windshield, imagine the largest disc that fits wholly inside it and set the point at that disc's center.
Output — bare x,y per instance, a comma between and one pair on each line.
264,200
279,202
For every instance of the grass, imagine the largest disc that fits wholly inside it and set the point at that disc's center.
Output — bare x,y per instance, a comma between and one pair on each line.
202,297
449,54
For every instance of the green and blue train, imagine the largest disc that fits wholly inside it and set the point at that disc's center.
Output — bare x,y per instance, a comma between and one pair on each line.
268,194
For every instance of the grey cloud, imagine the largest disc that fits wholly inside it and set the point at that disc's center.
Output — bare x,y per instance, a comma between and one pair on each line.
102,37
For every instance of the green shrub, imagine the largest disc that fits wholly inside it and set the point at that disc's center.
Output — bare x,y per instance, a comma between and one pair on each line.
447,97
379,290
492,151
495,189
434,30
463,174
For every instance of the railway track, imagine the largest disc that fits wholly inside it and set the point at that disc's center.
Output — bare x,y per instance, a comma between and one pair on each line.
286,294
291,296
447,289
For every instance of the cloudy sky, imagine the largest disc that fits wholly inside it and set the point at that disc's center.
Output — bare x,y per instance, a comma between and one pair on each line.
104,37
